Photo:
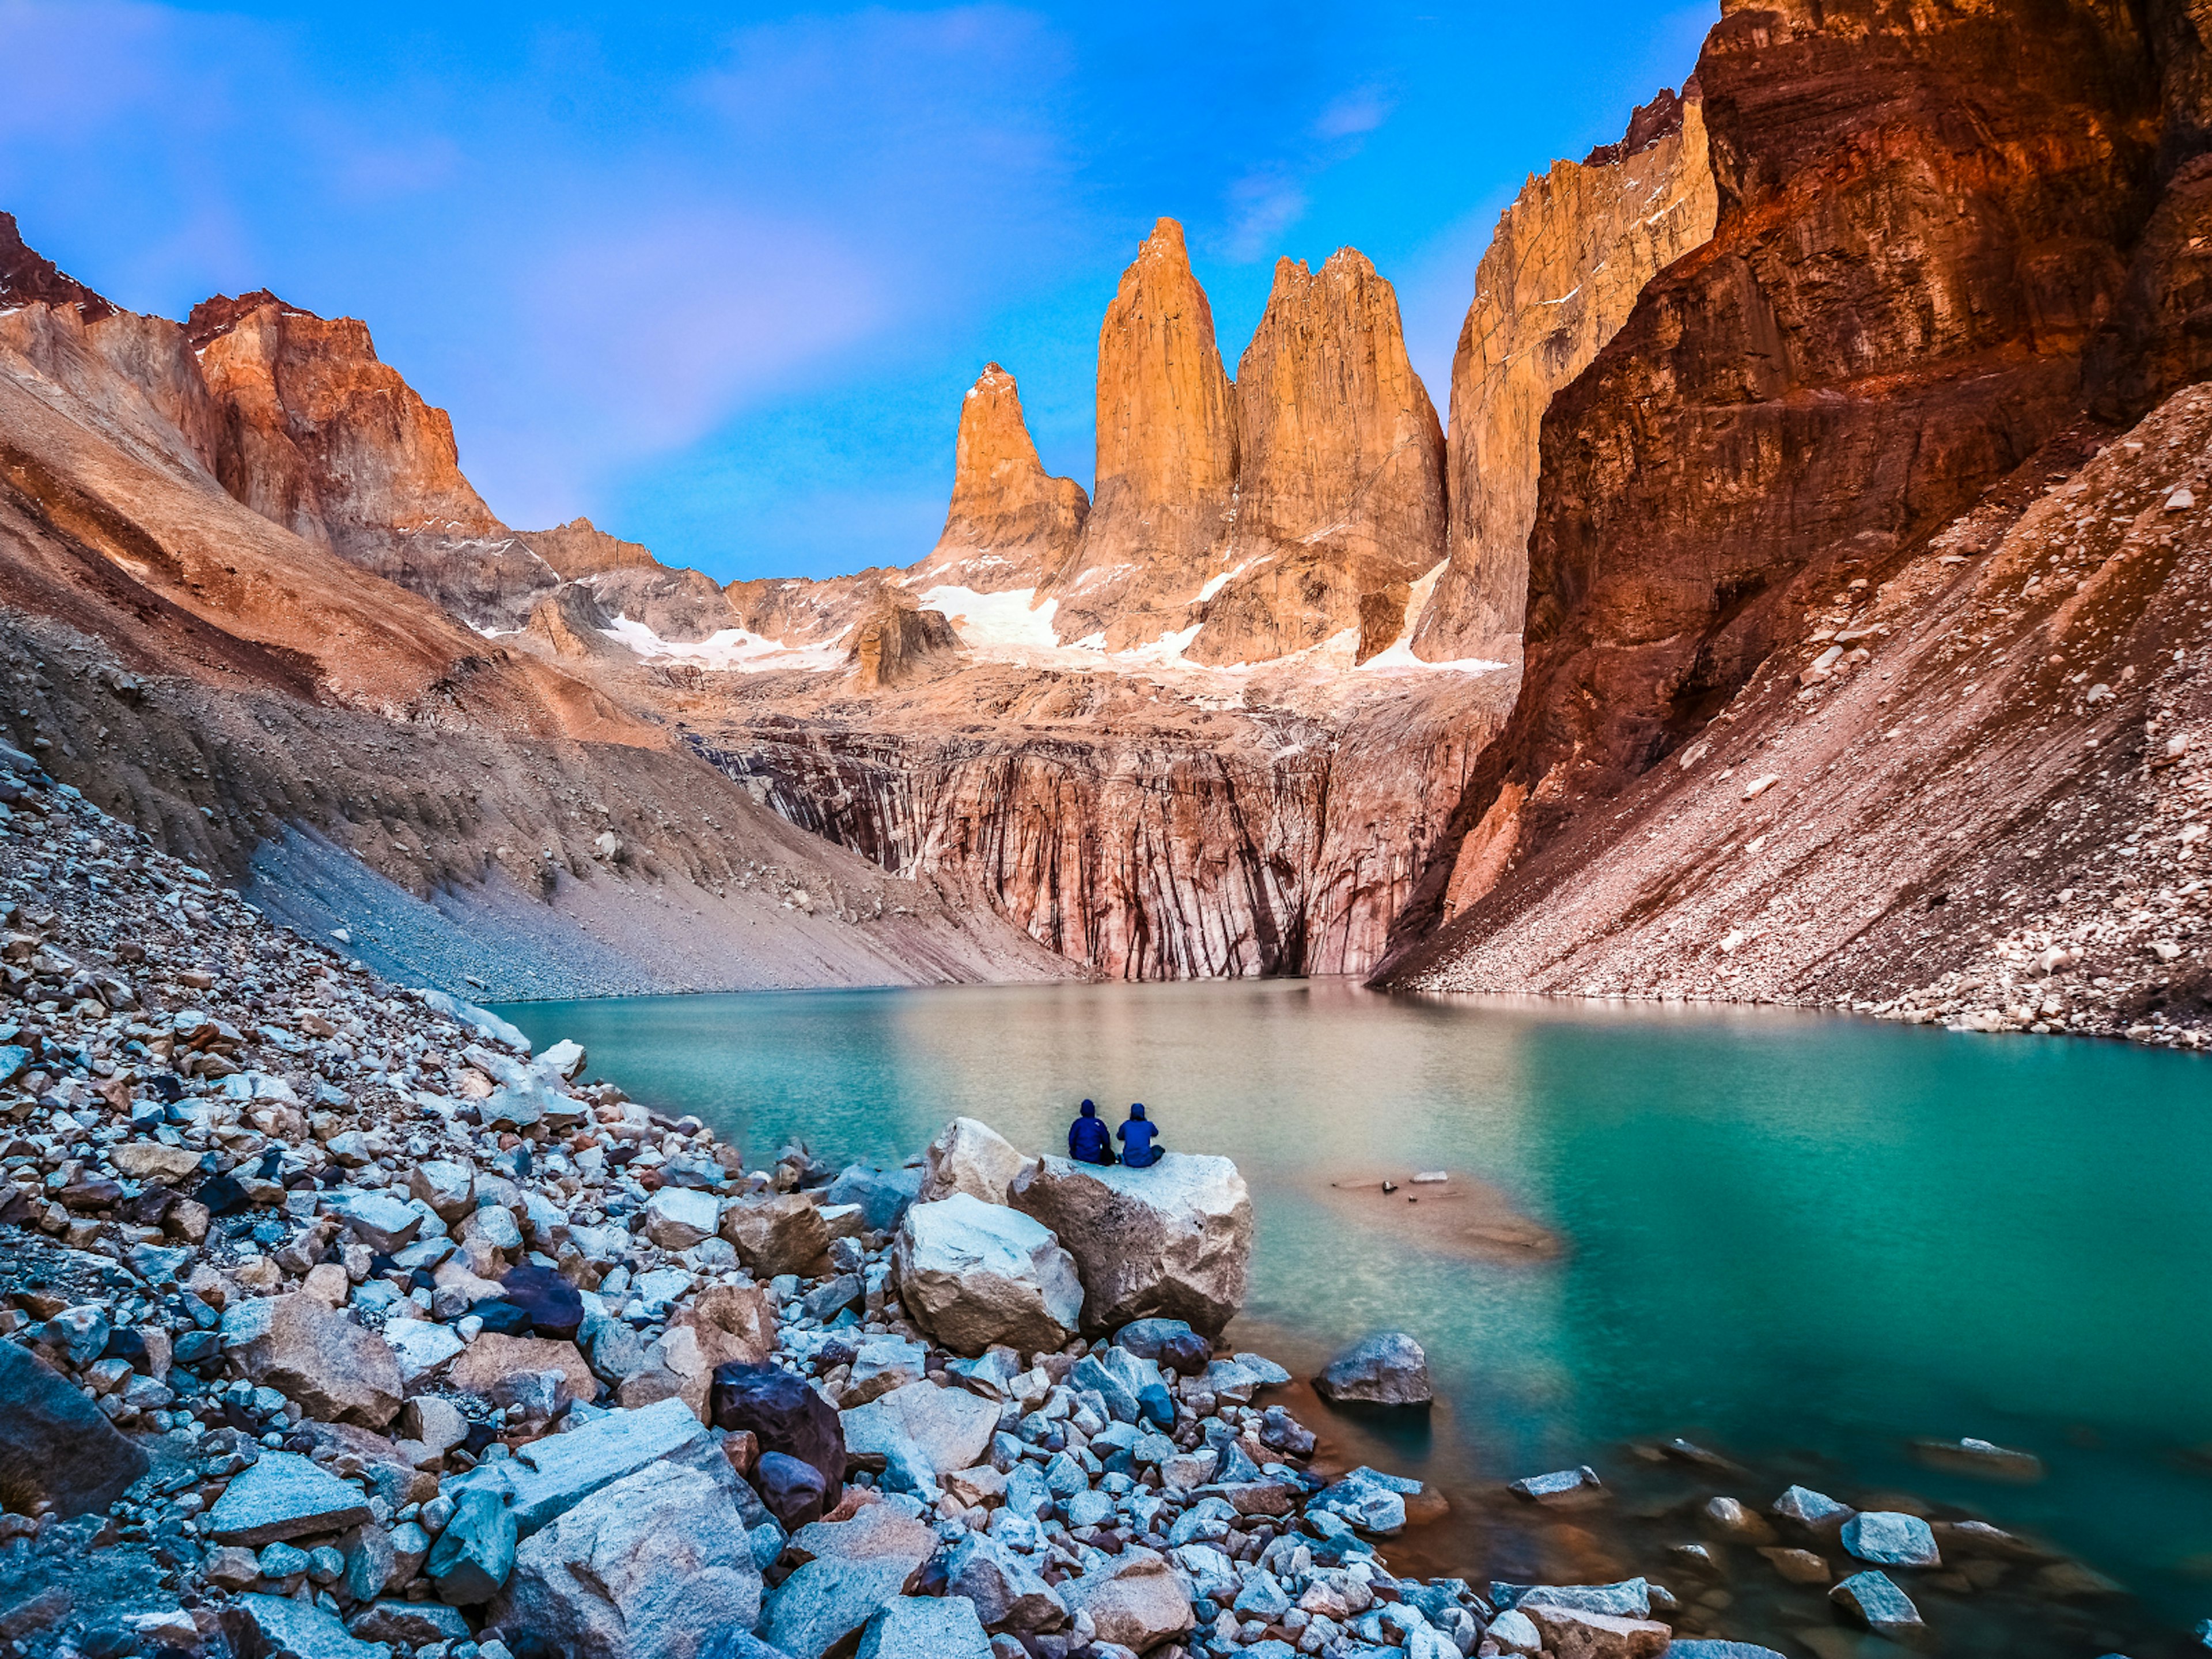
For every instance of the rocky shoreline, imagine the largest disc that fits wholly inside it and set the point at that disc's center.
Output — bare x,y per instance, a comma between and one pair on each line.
337,1324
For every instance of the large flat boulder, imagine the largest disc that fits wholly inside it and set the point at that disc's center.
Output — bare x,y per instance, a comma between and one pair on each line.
553,1474
1135,1599
827,1603
968,1156
284,1495
1173,1241
302,1347
922,1428
973,1274
285,1629
925,1628
650,1567
56,1447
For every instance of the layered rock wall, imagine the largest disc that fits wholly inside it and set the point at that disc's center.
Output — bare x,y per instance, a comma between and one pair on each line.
1566,265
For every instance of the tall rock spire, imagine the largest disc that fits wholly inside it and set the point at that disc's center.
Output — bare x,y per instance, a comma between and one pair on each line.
1340,480
1167,456
1012,525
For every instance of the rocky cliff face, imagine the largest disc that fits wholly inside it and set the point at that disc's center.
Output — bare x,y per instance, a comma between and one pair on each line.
1167,456
1142,831
278,715
1011,525
319,436
580,548
1566,265
1926,230
1340,482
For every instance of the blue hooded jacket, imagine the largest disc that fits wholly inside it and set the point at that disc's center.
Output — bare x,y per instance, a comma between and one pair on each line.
1137,1149
1088,1141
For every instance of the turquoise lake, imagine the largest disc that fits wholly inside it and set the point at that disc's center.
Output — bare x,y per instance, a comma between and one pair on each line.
1801,1240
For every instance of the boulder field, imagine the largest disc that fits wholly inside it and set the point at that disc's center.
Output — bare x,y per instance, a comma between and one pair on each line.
336,1324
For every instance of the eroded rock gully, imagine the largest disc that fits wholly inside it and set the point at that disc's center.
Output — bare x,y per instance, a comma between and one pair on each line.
1137,828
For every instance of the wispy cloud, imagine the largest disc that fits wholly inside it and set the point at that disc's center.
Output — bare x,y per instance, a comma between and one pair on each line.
1352,113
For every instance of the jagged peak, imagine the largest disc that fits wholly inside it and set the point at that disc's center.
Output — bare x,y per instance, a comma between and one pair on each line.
219,313
1647,126
28,277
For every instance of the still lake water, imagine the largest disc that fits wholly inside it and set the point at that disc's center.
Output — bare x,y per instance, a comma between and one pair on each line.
1803,1240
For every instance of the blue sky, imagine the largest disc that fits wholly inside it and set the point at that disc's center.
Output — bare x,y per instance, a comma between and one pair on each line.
717,276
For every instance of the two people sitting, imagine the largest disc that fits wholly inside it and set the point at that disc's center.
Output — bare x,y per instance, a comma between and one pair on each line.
1089,1142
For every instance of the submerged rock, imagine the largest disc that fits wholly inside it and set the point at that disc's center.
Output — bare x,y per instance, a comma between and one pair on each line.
1871,1599
1387,1369
1174,1240
1890,1540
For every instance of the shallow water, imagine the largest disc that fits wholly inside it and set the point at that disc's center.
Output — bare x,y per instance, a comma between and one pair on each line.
1801,1239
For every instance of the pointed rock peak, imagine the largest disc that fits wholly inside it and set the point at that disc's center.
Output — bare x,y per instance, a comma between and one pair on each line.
1010,524
1650,123
28,277
1166,238
220,313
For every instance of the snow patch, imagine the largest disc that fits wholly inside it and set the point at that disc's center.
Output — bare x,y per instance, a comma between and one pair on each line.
1012,618
734,649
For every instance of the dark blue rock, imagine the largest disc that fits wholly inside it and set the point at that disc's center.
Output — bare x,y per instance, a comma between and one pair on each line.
792,1490
554,1307
55,1445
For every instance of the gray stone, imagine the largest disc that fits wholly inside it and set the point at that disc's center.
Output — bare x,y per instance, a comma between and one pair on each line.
1871,1599
1007,1591
422,1347
284,1496
278,1561
449,1188
677,1217
1387,1369
946,1429
385,1224
883,1364
416,1623
653,1564
369,1562
888,1530
926,1627
300,1630
825,1602
1516,1632
831,1297
1173,1241
1698,1649
973,1274
1134,1598
476,1552
553,1474
1889,1539
1629,1599
307,1350
56,1447
1562,1486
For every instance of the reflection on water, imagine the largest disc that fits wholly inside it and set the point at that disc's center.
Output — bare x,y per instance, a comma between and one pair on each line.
1802,1239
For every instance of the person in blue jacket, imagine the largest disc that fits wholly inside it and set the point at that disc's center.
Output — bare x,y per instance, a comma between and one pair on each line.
1137,1149
1088,1139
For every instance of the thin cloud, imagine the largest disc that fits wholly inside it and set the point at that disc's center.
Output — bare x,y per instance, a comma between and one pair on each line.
1352,114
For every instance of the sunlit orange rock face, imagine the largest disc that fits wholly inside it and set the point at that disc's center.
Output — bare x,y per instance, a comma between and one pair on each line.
1167,455
1011,525
1561,274
1933,226
1340,481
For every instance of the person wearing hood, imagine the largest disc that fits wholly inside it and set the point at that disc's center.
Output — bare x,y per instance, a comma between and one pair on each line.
1137,1135
1088,1139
